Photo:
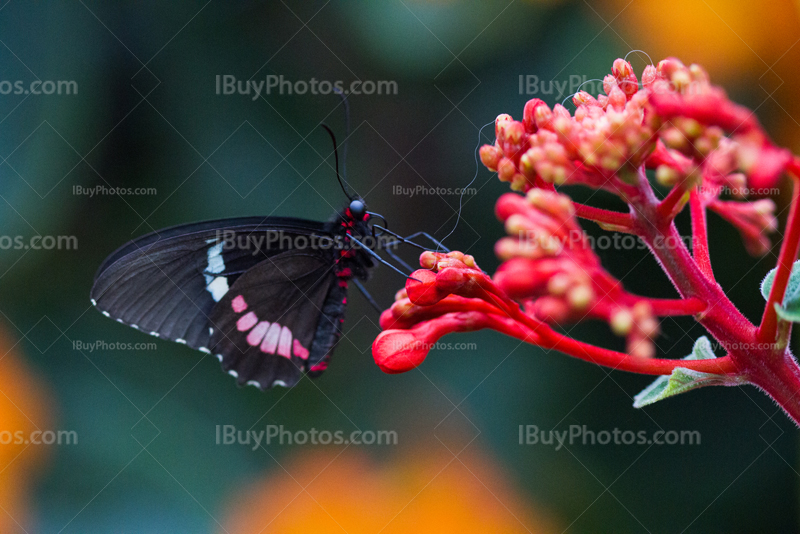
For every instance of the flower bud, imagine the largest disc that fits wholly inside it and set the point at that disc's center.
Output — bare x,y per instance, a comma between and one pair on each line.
490,157
528,114
649,76
609,83
667,176
500,124
543,117
506,170
422,288
582,98
617,99
398,351
580,297
621,322
668,67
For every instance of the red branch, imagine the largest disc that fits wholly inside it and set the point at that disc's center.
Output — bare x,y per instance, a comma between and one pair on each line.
614,218
546,337
672,203
634,364
667,307
700,234
768,329
541,335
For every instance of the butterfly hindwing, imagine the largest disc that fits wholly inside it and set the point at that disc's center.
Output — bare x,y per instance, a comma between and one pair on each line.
167,283
265,328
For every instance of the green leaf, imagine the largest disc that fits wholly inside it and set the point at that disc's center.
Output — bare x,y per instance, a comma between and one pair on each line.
790,310
682,380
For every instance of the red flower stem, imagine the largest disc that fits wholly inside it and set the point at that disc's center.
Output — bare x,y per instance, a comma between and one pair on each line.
700,234
667,208
549,338
543,336
603,216
633,364
666,307
722,319
780,380
768,329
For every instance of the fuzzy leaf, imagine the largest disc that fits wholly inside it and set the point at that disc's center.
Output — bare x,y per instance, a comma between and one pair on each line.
682,380
790,310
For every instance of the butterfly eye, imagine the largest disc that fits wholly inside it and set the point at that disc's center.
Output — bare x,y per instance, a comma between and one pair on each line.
358,209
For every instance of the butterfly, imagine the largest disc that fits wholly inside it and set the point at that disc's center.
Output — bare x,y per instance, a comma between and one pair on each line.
266,296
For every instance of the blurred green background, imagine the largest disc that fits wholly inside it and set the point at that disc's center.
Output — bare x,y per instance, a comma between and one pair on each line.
147,115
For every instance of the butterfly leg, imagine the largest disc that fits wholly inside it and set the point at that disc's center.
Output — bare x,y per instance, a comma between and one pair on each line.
366,294
398,259
377,257
407,240
433,240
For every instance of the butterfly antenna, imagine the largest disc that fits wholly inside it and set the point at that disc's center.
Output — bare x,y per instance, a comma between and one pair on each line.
346,130
474,177
336,158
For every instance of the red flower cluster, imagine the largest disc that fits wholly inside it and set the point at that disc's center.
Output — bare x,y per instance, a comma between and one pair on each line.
694,142
551,270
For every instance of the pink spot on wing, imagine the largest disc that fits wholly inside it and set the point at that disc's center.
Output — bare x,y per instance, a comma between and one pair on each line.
271,339
285,343
321,366
238,304
299,350
257,334
246,322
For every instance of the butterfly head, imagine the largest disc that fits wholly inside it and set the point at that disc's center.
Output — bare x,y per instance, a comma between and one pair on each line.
358,210
355,218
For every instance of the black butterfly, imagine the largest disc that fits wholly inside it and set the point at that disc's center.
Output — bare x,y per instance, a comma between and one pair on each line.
266,296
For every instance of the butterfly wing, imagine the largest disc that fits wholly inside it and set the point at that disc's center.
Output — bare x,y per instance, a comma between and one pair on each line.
167,283
277,320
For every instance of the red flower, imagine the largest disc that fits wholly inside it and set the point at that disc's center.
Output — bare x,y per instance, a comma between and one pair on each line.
701,147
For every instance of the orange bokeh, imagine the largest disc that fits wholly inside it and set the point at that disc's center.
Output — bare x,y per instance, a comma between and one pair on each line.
419,492
24,407
736,41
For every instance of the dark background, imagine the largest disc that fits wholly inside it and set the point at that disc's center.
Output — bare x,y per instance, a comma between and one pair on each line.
146,115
